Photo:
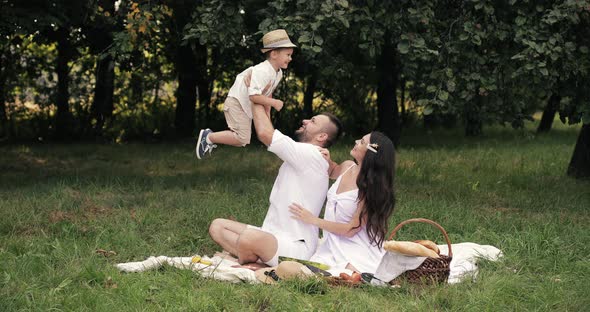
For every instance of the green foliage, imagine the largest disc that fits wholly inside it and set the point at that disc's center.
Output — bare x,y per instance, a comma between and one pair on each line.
145,31
553,57
480,61
29,83
499,60
217,23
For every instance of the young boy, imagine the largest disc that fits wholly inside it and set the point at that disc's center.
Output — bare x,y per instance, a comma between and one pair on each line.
254,85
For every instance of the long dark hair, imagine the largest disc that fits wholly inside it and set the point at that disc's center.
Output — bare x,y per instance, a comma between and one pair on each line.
375,183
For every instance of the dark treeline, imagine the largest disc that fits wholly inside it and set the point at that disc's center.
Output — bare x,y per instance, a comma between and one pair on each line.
122,70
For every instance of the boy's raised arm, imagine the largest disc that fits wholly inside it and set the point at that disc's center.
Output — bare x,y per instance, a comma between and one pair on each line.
266,101
261,99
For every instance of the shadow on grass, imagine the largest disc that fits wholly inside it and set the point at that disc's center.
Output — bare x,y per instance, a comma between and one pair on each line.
493,136
144,166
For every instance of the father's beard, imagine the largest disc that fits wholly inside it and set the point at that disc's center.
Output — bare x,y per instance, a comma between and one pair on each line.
301,136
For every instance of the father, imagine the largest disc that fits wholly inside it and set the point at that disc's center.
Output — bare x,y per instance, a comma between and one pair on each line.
302,178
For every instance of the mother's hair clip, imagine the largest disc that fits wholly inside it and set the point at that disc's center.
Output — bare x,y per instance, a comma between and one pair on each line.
373,147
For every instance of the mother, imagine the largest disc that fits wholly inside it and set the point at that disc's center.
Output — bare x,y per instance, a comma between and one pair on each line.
358,206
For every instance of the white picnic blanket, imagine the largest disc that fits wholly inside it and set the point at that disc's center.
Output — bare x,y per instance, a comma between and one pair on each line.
220,269
465,256
464,264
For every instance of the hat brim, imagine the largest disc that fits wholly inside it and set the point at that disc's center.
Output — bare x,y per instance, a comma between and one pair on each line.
287,45
264,278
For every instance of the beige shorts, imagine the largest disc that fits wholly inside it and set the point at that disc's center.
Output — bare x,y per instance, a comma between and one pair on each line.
237,120
286,247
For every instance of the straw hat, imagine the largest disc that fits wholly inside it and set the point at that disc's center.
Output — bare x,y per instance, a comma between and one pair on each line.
276,39
285,270
267,275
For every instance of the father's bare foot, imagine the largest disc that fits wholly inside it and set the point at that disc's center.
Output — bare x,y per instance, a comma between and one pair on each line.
225,255
251,266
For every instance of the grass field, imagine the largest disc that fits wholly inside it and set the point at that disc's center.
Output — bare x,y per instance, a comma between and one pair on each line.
60,203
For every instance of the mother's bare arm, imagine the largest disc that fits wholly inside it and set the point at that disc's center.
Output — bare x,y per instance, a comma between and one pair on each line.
348,229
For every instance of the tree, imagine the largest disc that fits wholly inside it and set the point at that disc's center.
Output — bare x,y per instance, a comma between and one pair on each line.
579,166
458,58
19,21
554,56
186,64
100,37
223,35
146,49
549,113
3,82
347,71
68,15
388,113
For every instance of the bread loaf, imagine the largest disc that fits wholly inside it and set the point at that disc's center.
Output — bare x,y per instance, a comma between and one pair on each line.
409,249
428,244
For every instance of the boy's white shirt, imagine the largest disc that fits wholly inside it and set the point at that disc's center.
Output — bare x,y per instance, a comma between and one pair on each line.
302,178
262,75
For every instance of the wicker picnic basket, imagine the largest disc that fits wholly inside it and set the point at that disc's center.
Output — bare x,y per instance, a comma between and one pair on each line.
432,270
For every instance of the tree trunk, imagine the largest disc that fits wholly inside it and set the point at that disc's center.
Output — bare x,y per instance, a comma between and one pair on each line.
429,121
579,166
308,95
203,81
156,89
102,106
136,85
186,94
204,95
214,71
387,110
404,114
3,115
64,55
356,106
185,64
549,113
472,118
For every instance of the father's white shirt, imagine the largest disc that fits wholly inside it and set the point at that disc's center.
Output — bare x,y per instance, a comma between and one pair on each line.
303,178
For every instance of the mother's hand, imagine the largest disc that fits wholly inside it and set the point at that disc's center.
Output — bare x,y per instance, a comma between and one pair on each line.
301,213
325,153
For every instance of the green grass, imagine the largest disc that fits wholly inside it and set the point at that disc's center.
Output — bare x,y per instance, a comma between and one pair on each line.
60,203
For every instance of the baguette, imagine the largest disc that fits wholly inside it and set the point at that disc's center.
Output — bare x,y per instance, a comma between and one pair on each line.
409,249
428,244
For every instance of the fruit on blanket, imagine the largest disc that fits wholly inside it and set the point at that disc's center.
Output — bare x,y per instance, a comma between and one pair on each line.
428,244
356,277
409,249
198,259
